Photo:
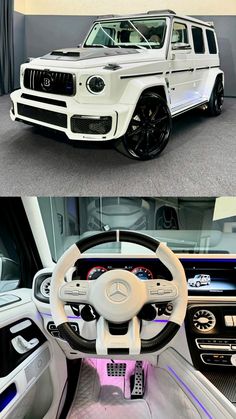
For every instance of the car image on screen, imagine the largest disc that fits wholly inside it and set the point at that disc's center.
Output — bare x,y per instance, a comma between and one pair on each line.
199,280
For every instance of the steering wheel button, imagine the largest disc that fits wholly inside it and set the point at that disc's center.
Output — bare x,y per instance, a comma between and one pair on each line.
160,292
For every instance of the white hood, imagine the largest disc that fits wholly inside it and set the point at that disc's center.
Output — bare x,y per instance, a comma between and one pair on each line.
79,58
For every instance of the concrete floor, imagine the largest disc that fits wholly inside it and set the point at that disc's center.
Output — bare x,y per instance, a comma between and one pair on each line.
200,160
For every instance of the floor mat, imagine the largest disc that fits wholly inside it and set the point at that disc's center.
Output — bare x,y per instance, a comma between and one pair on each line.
103,397
99,396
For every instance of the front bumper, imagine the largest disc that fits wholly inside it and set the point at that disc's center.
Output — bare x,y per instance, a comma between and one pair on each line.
60,112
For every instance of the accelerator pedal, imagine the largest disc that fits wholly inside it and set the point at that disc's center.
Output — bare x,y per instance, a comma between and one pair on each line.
137,381
116,369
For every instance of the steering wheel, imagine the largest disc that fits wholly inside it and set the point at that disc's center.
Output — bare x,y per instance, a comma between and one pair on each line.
118,296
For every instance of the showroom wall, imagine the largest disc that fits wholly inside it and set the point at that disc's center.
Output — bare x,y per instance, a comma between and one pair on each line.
19,44
50,24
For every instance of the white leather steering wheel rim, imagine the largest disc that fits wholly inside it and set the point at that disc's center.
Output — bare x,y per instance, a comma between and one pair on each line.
70,257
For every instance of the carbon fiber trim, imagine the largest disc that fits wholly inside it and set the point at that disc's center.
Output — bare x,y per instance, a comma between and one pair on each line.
113,236
88,242
225,382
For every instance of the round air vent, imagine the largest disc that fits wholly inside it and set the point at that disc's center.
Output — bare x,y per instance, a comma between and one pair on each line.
204,320
45,287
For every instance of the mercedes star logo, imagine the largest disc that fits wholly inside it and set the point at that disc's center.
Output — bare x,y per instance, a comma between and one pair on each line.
118,292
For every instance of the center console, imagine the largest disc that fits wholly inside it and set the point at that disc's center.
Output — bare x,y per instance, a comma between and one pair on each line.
212,335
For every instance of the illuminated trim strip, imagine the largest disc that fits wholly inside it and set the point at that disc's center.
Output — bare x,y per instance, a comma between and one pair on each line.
79,318
189,392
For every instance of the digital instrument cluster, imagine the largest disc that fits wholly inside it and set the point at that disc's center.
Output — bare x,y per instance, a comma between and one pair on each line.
140,271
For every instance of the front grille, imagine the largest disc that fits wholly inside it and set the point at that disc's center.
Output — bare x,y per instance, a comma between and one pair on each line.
49,117
50,81
88,125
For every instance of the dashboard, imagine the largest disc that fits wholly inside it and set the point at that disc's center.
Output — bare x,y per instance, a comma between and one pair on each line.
210,323
208,337
206,277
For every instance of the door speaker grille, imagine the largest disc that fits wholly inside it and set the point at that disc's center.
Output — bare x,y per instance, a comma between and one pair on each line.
34,369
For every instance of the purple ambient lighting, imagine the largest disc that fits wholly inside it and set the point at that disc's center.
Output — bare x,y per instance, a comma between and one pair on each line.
69,317
79,317
7,396
190,392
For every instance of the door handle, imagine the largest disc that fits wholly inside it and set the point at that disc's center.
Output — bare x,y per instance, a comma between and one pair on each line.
21,345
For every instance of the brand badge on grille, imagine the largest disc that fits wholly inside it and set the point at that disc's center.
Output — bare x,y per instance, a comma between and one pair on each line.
46,82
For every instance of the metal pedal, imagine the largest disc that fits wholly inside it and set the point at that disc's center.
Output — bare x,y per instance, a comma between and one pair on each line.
116,369
137,381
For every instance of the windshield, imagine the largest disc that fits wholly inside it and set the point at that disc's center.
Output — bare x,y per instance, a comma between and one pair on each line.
187,225
134,33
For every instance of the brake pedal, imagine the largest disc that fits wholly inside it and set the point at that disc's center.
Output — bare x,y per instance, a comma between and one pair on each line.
137,381
116,369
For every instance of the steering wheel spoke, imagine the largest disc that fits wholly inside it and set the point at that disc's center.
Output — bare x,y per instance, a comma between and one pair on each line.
160,290
106,343
76,292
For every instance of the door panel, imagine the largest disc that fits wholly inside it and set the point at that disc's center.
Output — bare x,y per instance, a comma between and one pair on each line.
181,64
28,387
18,341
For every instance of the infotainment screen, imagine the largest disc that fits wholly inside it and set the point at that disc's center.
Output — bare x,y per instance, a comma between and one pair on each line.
219,278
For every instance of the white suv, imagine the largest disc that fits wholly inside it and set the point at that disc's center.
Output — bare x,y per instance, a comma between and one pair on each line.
126,82
199,280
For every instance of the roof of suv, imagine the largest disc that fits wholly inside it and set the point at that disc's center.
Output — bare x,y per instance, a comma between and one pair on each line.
152,13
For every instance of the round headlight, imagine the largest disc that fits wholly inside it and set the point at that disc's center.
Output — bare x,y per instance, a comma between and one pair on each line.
95,85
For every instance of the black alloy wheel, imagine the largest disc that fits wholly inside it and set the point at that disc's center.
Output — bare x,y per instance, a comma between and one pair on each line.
215,104
149,129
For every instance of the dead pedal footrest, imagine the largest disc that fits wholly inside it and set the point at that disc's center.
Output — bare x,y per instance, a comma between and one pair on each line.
116,369
137,381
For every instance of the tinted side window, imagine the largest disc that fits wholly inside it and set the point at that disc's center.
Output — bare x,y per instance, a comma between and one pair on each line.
198,41
211,41
10,272
179,34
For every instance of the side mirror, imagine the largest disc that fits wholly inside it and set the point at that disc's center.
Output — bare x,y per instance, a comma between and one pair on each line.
181,46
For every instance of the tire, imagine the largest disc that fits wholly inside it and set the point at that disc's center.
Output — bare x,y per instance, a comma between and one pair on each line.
215,103
198,284
149,129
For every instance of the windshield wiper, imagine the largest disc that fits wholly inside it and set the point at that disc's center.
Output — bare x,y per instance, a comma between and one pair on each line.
99,46
128,45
